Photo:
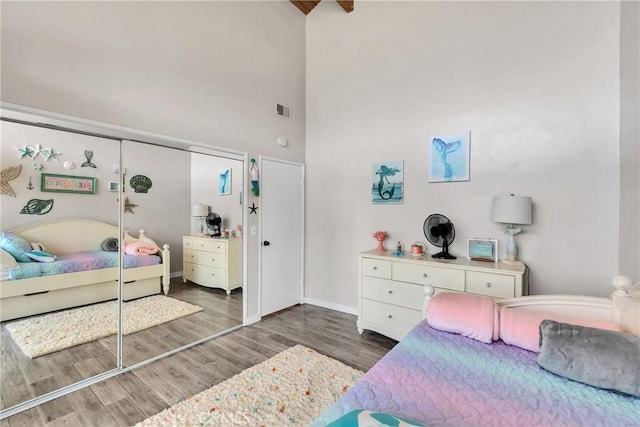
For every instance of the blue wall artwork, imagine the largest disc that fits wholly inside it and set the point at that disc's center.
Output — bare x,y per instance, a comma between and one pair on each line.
449,157
387,182
224,182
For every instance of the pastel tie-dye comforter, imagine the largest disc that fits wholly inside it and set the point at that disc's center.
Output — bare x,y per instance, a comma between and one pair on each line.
443,379
80,261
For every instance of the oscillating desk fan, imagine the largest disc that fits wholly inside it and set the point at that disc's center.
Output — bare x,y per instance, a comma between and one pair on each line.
440,232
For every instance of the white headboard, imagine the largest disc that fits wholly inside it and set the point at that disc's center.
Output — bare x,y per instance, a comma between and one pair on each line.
68,235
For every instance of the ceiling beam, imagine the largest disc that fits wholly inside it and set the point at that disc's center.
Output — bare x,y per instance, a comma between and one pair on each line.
305,6
347,5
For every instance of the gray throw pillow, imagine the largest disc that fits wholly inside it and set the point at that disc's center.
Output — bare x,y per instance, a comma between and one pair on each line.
601,358
109,244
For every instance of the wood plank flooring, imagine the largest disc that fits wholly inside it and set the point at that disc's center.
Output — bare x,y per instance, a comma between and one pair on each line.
133,396
23,378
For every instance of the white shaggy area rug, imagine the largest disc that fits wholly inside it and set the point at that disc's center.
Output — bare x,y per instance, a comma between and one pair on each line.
48,333
292,388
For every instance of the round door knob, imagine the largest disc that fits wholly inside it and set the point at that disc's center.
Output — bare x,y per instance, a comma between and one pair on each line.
266,243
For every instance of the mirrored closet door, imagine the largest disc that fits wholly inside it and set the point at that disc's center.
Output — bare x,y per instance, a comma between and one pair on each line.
191,203
60,218
94,212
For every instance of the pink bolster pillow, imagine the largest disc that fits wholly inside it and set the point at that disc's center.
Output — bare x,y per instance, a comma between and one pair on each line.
522,327
473,316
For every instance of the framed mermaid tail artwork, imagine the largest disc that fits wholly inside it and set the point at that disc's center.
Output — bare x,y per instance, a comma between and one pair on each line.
449,157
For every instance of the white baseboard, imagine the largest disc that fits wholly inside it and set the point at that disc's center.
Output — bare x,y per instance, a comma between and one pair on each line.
253,319
331,306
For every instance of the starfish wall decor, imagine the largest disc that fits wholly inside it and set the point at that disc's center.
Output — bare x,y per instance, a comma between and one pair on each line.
34,151
128,206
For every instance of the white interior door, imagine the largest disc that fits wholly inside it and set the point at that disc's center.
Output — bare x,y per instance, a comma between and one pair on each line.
281,234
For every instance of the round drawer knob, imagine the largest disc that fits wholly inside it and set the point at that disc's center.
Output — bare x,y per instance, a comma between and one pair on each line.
425,275
390,317
375,268
213,259
488,285
390,292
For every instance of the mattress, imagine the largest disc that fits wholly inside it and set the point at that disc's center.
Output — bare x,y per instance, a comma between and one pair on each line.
443,379
80,261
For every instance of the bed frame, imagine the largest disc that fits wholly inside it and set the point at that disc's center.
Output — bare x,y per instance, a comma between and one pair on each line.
26,297
622,308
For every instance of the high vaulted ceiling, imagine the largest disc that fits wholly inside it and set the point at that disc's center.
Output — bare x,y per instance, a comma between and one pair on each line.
307,6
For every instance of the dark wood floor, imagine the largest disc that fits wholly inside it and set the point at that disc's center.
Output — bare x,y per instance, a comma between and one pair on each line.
24,378
133,396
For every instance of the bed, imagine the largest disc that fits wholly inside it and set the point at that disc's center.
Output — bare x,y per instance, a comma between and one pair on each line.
446,378
77,245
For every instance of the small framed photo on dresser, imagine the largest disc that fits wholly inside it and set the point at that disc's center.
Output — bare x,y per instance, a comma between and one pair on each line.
482,250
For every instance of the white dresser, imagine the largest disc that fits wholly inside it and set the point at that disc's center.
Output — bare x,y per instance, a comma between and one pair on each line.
212,262
391,288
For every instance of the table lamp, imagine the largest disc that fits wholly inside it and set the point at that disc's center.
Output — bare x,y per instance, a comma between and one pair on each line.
200,211
512,210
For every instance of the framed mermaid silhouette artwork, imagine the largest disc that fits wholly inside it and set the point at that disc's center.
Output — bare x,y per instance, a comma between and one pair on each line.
387,182
449,157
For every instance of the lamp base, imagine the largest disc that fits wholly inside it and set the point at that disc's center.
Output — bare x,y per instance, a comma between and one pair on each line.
510,262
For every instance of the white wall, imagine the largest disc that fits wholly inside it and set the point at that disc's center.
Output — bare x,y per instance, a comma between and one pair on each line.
164,211
630,139
537,83
209,72
204,189
101,206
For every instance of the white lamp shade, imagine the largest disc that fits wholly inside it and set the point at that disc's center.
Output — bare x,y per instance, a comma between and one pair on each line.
199,210
510,209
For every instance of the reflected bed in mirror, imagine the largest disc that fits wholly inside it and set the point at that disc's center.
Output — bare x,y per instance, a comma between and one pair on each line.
82,272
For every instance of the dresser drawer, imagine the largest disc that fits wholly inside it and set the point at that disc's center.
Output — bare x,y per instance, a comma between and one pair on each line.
444,278
212,259
387,291
205,274
493,285
391,316
203,245
376,268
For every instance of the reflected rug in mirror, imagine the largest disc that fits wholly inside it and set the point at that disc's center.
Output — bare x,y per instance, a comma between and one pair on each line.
292,388
48,333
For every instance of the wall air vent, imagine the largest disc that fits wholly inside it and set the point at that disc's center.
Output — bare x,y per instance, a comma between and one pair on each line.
282,111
